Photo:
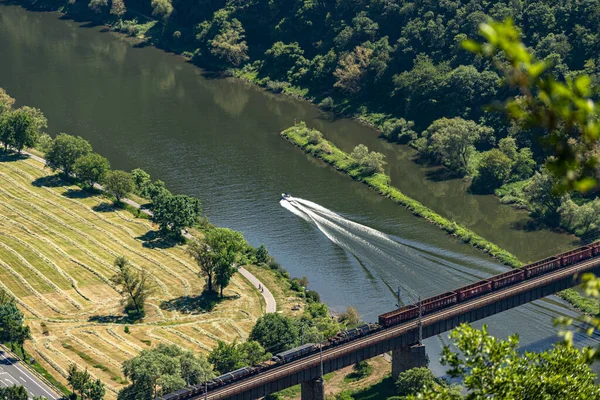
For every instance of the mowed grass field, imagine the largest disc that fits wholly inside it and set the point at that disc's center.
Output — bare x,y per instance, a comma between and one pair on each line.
57,248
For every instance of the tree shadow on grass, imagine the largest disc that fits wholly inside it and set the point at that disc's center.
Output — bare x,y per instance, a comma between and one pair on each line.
114,319
11,157
195,304
382,390
81,193
158,240
104,207
55,180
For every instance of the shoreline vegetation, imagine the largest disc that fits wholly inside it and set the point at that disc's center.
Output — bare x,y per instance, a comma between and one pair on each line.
312,142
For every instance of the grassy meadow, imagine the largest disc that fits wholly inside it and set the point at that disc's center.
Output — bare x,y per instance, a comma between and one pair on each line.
57,247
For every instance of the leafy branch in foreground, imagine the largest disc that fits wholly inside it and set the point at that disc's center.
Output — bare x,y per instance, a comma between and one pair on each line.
564,112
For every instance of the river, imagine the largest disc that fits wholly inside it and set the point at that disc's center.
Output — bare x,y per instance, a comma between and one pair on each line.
218,139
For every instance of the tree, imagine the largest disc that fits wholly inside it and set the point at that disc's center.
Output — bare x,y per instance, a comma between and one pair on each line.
162,8
98,6
200,251
229,44
352,69
175,212
282,57
163,370
19,130
451,142
43,143
225,246
415,380
226,357
369,162
82,382
6,102
12,329
91,168
262,255
541,196
118,183
493,368
135,286
275,332
117,8
15,393
350,317
141,181
493,171
65,150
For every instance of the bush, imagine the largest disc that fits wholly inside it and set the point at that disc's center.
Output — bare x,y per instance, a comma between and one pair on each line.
43,143
262,254
312,296
314,137
327,103
277,86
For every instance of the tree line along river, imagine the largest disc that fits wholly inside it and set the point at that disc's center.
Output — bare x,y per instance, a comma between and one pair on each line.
218,139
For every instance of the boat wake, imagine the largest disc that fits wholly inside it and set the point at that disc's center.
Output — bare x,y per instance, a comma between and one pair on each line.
374,249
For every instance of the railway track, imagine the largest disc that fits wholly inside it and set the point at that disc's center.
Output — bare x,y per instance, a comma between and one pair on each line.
313,360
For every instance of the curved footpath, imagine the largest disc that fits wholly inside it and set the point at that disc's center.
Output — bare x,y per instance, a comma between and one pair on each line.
271,305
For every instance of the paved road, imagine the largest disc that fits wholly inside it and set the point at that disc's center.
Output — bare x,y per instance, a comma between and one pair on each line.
13,373
271,305
266,293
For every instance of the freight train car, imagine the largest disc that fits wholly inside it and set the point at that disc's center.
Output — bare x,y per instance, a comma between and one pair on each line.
350,334
572,257
507,278
291,354
473,290
595,248
233,375
402,314
436,302
541,267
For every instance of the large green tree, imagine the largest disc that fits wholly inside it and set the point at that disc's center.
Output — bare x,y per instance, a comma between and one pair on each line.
65,150
91,168
229,357
163,370
226,247
118,183
276,332
175,212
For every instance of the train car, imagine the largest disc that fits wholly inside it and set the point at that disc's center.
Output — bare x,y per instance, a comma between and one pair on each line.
296,352
595,248
436,302
541,267
507,278
474,290
572,257
234,375
400,315
351,334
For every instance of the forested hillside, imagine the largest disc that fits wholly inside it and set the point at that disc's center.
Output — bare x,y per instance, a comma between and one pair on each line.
397,64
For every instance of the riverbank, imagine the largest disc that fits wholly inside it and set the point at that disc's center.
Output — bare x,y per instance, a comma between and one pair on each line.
303,137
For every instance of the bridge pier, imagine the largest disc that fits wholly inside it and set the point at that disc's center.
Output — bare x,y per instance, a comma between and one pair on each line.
313,390
405,358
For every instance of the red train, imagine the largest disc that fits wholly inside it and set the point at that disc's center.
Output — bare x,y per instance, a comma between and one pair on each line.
488,285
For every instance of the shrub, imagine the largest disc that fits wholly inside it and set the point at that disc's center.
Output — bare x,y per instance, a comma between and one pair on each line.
312,296
327,103
314,137
277,86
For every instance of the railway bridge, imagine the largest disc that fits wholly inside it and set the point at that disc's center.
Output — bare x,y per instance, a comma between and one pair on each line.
402,339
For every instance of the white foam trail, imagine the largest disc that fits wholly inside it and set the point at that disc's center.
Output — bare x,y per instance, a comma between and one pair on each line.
344,221
286,204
